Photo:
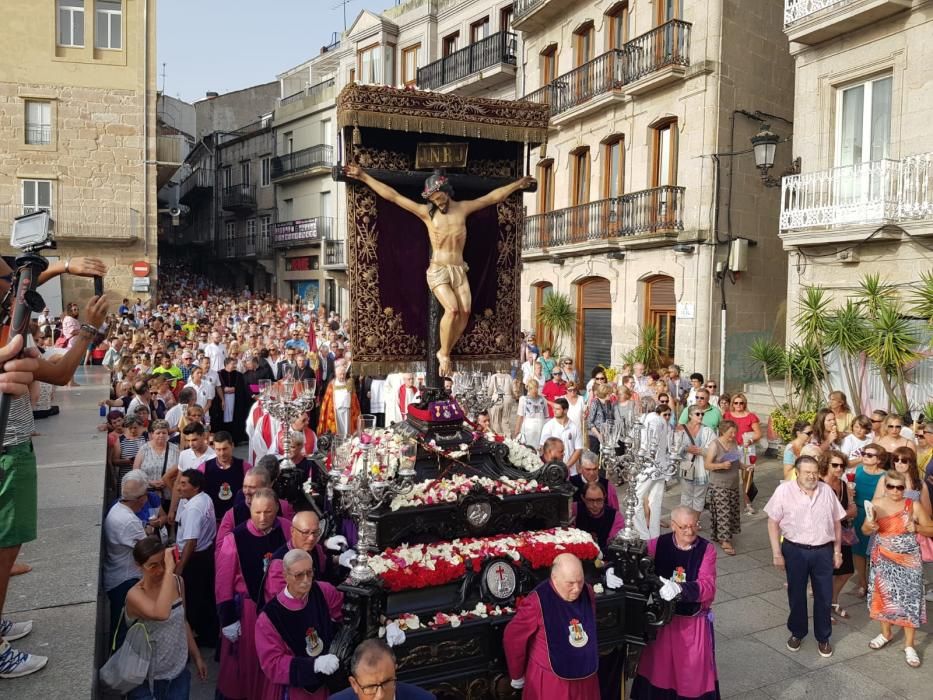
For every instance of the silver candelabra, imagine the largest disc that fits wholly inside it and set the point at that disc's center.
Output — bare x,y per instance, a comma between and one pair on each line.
364,490
470,391
286,401
641,447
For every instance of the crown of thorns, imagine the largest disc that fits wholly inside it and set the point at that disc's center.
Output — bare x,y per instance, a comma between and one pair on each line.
435,183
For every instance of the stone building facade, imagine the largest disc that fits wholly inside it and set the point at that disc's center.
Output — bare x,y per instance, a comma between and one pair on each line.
77,130
648,180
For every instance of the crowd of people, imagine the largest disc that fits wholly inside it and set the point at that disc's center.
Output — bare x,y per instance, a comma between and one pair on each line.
202,550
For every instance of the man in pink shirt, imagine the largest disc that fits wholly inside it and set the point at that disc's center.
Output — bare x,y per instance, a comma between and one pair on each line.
809,516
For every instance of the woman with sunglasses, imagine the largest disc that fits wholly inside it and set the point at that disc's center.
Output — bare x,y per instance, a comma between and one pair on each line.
904,460
867,476
711,387
895,584
748,434
695,478
803,431
832,471
891,438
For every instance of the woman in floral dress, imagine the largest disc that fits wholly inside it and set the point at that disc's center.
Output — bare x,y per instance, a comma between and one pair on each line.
895,579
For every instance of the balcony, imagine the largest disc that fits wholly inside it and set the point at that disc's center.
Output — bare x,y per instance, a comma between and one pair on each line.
90,223
239,198
637,217
38,134
307,162
313,95
335,255
866,194
487,63
198,184
648,62
532,15
288,234
657,58
244,247
814,21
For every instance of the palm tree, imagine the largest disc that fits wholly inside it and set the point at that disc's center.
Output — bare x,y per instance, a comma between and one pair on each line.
557,318
892,346
847,332
812,322
922,298
647,351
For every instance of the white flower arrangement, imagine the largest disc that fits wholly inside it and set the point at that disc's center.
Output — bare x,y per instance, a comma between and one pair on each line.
449,489
522,456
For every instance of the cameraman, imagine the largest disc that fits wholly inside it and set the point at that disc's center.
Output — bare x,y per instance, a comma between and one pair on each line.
18,483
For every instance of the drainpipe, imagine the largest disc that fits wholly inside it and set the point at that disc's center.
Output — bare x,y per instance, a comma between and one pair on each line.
146,130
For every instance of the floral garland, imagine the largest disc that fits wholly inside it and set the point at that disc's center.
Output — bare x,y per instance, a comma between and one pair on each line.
410,567
448,490
409,622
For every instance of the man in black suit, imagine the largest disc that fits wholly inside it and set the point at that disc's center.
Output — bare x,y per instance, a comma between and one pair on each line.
288,366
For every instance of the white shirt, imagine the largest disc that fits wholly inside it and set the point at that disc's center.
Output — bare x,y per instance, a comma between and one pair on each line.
377,401
189,460
122,530
569,435
205,392
198,522
174,414
217,353
852,446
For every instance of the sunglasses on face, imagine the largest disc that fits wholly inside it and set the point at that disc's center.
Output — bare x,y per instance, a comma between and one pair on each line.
738,403
901,460
871,455
895,487
600,379
837,465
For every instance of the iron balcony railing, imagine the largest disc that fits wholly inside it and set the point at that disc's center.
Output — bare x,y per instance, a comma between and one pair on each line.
494,50
603,74
239,197
335,253
88,221
318,92
656,210
877,192
39,135
248,246
523,7
200,179
301,231
315,157
665,45
798,9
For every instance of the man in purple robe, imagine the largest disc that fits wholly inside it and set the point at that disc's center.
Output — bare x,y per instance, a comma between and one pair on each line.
294,633
306,535
596,517
550,645
680,662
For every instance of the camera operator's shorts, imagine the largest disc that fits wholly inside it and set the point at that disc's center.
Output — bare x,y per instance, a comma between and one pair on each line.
18,495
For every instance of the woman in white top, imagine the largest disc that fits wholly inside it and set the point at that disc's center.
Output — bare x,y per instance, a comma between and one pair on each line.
532,414
577,410
694,478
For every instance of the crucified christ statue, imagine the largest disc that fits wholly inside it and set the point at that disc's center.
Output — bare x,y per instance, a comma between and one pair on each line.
445,219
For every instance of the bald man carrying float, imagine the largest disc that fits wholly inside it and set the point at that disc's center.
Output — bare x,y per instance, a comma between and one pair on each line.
550,645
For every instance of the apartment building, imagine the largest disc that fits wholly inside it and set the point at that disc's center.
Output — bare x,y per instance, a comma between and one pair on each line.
648,180
863,202
77,110
439,45
225,190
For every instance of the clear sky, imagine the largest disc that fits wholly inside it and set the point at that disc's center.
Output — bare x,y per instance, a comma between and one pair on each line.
225,45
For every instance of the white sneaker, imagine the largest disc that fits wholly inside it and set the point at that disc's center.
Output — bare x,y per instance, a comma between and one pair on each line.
14,664
11,631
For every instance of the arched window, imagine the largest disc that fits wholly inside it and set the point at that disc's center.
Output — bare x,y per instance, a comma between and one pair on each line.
661,311
594,324
541,292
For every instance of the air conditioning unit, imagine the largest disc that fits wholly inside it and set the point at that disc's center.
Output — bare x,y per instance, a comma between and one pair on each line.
848,256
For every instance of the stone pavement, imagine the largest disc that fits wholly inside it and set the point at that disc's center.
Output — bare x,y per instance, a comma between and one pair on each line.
750,626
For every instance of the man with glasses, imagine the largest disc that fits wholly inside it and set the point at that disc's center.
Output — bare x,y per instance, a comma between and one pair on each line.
712,416
560,426
372,675
294,632
553,389
808,515
681,661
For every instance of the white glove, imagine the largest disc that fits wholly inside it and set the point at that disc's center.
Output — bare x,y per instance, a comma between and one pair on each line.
346,559
394,635
670,589
232,632
326,664
518,683
335,543
613,581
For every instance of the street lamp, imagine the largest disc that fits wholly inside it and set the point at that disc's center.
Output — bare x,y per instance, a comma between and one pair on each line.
765,144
